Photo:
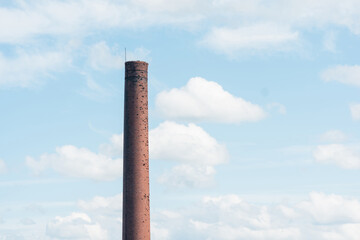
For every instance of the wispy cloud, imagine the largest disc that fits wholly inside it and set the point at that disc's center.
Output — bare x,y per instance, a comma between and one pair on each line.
344,74
256,37
244,25
28,69
333,136
104,57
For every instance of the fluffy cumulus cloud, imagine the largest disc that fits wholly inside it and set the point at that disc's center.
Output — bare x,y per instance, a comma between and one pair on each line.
199,154
344,74
226,217
78,162
77,226
96,219
331,209
345,156
107,212
231,217
194,143
202,100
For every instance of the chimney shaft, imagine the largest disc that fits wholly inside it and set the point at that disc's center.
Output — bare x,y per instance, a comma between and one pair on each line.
136,202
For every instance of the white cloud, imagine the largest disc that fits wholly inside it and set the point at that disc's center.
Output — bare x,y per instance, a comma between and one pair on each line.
258,25
55,17
169,6
202,100
227,217
347,232
230,217
2,166
78,162
26,69
253,37
355,111
244,25
333,136
29,68
330,209
343,74
67,17
297,13
195,145
227,232
347,157
26,21
77,226
224,217
105,211
199,154
158,232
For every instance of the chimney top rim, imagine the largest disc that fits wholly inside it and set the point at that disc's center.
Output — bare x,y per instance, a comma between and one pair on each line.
136,61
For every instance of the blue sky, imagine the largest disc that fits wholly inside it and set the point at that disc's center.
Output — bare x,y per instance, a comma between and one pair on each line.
254,113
